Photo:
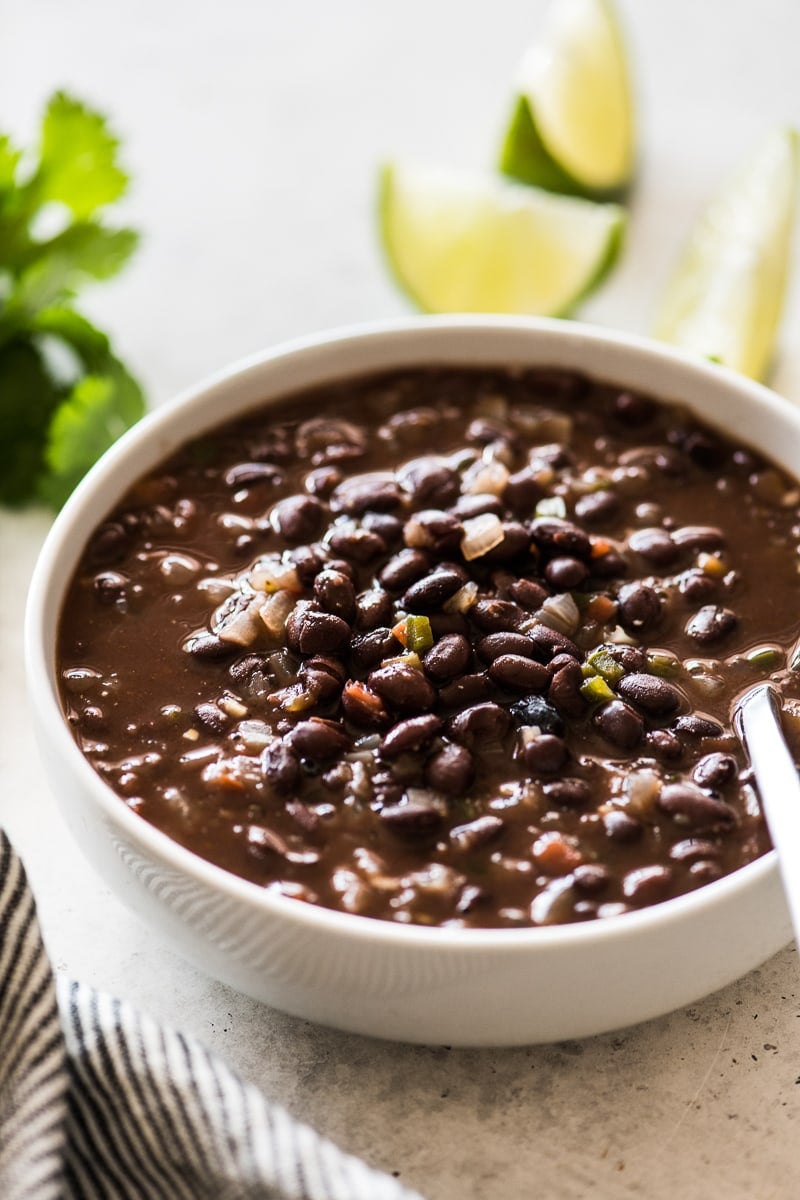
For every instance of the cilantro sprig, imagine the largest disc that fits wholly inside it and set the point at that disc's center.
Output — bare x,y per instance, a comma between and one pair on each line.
64,395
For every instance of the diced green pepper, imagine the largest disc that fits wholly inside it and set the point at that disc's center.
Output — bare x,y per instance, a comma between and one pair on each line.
603,664
596,690
664,665
419,635
767,657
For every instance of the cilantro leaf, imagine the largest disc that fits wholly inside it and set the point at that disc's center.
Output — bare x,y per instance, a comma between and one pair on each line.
95,413
78,159
64,395
28,398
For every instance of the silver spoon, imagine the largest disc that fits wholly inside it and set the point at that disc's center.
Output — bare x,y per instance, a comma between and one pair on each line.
758,724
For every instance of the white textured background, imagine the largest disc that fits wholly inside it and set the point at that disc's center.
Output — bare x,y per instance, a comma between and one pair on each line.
253,131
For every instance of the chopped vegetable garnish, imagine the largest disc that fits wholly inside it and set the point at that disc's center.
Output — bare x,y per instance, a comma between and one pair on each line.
766,656
419,635
551,506
665,665
603,664
596,690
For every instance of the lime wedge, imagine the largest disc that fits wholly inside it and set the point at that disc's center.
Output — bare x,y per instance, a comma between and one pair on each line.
572,128
461,242
725,297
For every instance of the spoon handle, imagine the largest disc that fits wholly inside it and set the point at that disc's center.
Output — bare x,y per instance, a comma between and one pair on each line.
778,786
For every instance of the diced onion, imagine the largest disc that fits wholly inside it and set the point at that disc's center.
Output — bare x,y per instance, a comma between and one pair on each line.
274,611
486,478
481,534
244,627
560,612
463,599
641,790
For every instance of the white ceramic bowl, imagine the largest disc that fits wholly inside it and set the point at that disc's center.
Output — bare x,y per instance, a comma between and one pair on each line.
461,987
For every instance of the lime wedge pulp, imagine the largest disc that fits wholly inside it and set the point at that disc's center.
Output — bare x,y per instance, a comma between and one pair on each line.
461,242
572,128
725,297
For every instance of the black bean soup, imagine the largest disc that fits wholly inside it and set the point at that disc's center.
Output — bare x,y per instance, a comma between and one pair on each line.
443,646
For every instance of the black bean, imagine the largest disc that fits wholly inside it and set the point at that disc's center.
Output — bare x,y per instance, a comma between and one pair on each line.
307,563
495,644
693,850
109,544
536,712
566,574
565,690
321,678
696,586
364,493
322,481
522,491
318,740
444,623
591,877
369,649
665,745
705,871
388,528
619,724
597,507
358,544
493,616
430,481
386,788
110,586
476,505
246,474
363,706
707,452
695,726
610,565
478,833
336,594
373,608
528,594
516,541
210,718
466,689
281,767
568,793
317,632
485,430
403,687
652,695
410,735
711,623
654,546
647,885
633,409
560,537
631,658
448,658
329,439
549,642
481,722
621,827
715,770
545,753
298,518
516,671
412,819
434,530
403,569
639,607
430,592
688,805
450,770
209,648
699,537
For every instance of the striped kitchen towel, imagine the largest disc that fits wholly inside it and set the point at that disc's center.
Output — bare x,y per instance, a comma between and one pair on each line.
99,1101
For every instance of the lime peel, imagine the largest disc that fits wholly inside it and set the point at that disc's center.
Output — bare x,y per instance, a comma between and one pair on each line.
725,297
572,125
464,242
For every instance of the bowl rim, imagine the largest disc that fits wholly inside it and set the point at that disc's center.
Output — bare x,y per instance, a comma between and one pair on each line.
40,669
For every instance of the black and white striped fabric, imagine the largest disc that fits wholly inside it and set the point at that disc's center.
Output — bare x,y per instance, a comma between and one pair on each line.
99,1101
